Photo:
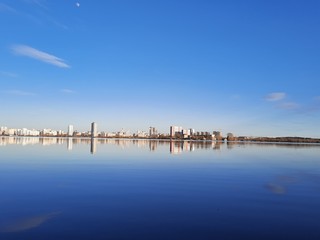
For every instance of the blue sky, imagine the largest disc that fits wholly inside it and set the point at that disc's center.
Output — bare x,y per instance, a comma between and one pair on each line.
247,67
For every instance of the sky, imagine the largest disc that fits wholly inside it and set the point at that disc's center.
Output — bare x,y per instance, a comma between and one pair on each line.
247,67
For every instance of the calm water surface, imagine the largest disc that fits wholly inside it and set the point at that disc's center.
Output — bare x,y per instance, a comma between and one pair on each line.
128,189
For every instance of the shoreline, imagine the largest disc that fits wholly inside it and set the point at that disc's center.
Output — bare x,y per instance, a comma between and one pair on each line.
275,140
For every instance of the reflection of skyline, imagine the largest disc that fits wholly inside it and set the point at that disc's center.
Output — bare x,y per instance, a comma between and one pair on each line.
69,144
177,147
93,146
174,147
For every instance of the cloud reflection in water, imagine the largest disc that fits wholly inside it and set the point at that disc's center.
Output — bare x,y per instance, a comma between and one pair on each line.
28,223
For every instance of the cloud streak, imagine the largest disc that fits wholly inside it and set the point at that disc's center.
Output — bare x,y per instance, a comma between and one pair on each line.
6,8
68,91
19,93
276,96
289,106
30,52
8,74
40,3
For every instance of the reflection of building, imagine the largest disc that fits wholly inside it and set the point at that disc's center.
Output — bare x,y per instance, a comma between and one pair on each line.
69,144
70,130
153,145
216,146
94,130
93,147
175,147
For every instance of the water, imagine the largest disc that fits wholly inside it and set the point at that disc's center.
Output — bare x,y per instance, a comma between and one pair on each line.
55,188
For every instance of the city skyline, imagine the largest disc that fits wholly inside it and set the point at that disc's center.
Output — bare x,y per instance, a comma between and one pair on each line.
248,68
94,132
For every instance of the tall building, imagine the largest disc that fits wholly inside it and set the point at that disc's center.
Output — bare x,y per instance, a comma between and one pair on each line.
94,130
174,130
152,132
70,130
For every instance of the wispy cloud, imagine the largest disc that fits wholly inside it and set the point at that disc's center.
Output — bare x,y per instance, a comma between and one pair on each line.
7,8
8,74
39,15
281,102
40,3
289,105
19,93
27,51
275,96
317,98
68,91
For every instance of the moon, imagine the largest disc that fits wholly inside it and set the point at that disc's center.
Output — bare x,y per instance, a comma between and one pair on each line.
78,4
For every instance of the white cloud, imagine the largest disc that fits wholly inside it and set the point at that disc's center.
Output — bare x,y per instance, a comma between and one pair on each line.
27,51
65,90
289,105
19,93
276,96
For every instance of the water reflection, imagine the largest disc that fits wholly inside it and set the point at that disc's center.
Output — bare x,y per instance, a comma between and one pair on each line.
281,183
276,188
28,223
93,146
174,147
69,144
216,188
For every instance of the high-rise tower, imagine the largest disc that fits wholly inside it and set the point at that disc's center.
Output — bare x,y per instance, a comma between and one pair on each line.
70,130
94,130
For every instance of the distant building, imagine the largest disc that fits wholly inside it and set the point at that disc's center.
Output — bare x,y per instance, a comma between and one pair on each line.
141,134
70,130
94,129
153,132
192,132
12,131
49,132
103,134
111,134
175,130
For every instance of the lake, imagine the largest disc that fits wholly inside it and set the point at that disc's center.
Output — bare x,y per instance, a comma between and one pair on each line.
55,188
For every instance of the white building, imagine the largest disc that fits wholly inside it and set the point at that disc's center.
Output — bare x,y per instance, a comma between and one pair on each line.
49,132
174,130
12,131
153,132
70,130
